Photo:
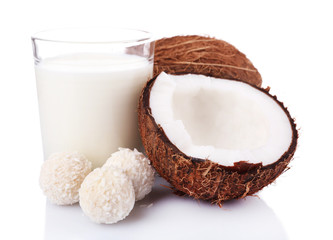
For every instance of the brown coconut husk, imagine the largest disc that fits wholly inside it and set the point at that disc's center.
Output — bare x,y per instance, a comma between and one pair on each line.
202,178
203,55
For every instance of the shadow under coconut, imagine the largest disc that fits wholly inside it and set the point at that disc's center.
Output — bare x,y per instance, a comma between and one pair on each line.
164,215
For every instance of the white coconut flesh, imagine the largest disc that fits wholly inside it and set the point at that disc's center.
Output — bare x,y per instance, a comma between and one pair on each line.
224,121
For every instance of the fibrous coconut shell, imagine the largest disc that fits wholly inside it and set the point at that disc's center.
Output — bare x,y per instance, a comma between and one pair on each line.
203,55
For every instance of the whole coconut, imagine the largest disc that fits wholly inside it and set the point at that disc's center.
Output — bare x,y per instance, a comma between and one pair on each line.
203,55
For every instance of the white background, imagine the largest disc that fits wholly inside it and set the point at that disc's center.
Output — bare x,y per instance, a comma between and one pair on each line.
290,42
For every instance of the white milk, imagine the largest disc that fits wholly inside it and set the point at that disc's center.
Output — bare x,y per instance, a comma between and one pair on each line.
88,103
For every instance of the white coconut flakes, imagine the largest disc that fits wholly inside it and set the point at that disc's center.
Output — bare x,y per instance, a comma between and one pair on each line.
61,176
107,195
137,167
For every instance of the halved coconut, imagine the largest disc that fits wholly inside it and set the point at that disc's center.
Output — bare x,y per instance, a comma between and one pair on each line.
215,139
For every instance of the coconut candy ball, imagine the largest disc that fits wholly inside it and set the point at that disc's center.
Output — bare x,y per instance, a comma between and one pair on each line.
137,167
61,176
107,195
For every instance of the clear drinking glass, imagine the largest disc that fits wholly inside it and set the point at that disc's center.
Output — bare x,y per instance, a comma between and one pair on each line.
88,84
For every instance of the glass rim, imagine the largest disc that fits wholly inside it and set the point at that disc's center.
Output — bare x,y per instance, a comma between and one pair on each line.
46,36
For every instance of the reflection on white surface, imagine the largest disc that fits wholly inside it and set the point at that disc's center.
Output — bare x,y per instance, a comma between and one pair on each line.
163,215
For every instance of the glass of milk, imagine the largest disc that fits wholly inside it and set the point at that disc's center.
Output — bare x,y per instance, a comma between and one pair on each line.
88,82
